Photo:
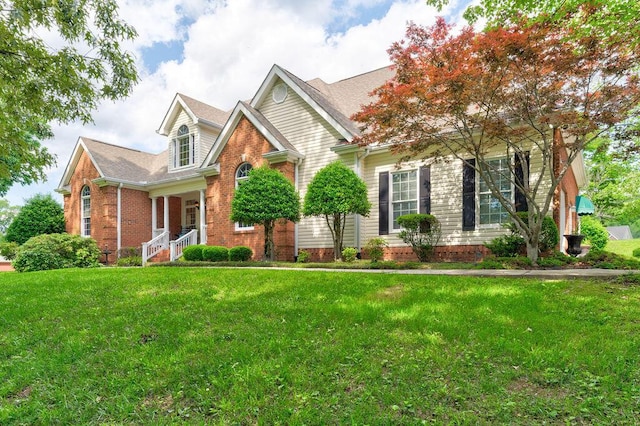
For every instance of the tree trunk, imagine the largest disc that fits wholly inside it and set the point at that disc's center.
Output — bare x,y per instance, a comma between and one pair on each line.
532,252
337,237
269,246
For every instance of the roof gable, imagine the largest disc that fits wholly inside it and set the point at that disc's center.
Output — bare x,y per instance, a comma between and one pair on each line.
198,112
260,122
318,102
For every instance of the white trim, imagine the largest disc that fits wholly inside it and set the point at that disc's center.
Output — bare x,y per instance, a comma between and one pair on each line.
277,72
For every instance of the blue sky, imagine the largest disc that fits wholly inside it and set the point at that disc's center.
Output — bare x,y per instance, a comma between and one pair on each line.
219,51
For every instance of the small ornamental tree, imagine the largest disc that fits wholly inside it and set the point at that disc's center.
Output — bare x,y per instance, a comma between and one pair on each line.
508,92
334,193
266,197
41,214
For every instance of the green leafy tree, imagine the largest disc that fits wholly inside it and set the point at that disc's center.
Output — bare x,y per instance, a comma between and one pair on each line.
7,213
614,184
43,82
334,193
266,197
41,214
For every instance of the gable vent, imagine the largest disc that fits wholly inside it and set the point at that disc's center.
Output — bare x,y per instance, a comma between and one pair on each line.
279,93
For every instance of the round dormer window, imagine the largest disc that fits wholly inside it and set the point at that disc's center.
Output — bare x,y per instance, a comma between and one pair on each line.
279,93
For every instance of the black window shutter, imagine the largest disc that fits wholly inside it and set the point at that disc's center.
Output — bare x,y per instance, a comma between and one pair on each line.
425,190
383,203
469,195
519,198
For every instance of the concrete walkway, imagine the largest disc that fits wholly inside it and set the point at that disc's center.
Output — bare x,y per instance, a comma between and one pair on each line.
549,274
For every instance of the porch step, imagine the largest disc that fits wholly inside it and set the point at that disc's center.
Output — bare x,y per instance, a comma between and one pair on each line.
162,256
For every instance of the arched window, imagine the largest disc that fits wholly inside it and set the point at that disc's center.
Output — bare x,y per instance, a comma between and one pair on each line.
85,211
183,147
242,174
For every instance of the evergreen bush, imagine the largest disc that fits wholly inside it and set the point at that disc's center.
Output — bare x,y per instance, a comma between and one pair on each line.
303,256
215,254
375,248
56,251
193,253
240,254
349,254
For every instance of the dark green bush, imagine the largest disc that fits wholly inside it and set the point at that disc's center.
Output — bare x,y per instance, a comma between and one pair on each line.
594,232
349,254
513,244
41,214
636,252
215,254
422,232
240,254
193,253
56,251
555,259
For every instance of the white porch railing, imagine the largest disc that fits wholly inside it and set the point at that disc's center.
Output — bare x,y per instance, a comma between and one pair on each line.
155,246
176,246
203,234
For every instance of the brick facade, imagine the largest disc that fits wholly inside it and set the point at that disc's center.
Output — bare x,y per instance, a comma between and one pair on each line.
245,145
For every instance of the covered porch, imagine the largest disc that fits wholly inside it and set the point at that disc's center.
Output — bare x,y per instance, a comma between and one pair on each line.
178,220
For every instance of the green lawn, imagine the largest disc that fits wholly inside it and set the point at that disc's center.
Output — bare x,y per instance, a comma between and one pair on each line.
623,247
222,346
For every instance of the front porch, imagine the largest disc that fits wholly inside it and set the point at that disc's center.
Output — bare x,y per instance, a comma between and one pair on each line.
178,220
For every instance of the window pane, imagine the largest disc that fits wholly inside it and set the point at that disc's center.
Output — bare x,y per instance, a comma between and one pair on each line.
491,211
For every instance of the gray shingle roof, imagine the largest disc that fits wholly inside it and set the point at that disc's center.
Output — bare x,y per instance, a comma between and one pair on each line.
205,111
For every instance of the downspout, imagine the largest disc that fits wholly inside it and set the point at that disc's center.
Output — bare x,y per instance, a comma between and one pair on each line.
359,172
296,183
119,219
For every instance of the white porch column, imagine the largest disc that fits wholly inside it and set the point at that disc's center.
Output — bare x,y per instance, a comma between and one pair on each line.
166,213
154,215
203,218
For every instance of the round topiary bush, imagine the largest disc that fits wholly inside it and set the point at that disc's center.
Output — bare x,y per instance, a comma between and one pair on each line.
56,251
193,253
215,254
349,254
594,232
240,254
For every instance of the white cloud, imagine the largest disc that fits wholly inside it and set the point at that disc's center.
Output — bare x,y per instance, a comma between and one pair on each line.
229,46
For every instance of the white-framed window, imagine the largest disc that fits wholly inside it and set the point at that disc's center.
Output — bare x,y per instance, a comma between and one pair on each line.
404,195
85,211
190,214
242,174
491,211
183,148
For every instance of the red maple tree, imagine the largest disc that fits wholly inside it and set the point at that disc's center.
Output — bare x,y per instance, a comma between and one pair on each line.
504,92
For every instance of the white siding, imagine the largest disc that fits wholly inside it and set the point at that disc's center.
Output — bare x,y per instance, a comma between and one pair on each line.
313,137
446,198
183,118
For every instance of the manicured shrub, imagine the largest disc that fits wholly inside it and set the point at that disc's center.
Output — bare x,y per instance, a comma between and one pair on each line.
303,256
8,250
41,214
595,233
421,232
349,254
215,254
636,252
513,244
193,253
375,248
56,251
240,254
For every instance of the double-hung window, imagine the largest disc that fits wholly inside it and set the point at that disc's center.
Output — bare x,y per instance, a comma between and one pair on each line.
404,199
184,152
491,211
85,211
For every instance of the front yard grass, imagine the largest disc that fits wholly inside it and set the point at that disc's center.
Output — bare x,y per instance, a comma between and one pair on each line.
243,346
623,247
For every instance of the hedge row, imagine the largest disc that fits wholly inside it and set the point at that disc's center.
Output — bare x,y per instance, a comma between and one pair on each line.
201,252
